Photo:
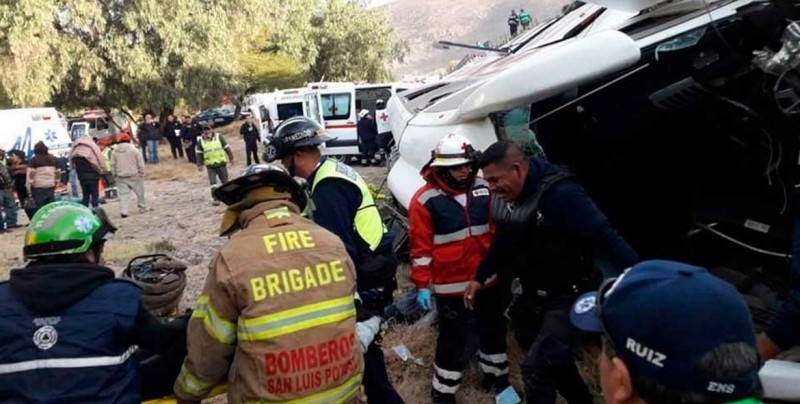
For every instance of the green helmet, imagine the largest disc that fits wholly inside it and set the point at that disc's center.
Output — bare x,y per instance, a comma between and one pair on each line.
61,228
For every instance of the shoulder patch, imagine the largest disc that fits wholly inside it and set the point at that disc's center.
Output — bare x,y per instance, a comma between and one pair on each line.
480,192
346,170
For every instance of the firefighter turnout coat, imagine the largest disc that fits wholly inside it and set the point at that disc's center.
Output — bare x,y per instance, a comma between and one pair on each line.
276,315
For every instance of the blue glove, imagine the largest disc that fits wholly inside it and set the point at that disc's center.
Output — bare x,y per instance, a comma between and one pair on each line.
424,299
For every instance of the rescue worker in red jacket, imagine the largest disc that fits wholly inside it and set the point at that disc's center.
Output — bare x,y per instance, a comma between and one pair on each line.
450,233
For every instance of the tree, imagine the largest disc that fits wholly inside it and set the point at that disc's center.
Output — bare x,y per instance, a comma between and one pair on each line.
125,53
155,54
342,41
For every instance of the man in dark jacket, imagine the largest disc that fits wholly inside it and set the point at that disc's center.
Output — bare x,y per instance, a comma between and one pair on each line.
189,133
549,233
172,130
249,132
148,139
66,320
367,131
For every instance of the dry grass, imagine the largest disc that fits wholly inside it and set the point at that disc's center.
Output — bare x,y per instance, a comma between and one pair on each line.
169,169
413,381
162,246
119,252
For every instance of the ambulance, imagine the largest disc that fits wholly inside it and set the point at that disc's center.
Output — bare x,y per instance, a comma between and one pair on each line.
24,127
340,104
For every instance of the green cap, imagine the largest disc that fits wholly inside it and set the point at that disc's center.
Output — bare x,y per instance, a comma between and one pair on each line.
61,228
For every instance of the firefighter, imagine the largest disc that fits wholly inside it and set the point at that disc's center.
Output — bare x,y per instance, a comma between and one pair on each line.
68,328
344,205
277,313
450,233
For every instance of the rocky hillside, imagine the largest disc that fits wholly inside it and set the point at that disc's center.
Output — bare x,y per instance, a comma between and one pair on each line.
421,22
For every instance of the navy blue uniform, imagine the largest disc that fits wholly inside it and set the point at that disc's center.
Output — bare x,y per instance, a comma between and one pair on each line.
549,238
336,202
68,332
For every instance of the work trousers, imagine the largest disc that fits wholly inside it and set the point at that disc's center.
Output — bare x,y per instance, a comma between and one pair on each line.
454,329
74,184
215,172
191,152
124,186
43,196
90,189
10,208
251,149
549,367
370,146
175,147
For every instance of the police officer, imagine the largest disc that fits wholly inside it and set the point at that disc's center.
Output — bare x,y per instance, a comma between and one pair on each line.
450,232
277,310
68,328
344,205
549,233
214,153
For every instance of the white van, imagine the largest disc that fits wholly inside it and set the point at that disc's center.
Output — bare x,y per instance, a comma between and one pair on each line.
24,127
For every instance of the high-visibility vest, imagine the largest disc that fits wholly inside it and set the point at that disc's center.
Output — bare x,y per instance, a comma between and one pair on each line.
107,157
213,153
368,223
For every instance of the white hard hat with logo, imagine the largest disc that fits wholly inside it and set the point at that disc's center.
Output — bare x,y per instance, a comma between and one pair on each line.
453,150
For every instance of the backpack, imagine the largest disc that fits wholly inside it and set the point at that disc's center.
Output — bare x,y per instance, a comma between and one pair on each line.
525,18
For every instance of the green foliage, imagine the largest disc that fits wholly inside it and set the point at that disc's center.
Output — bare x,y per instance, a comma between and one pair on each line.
155,54
265,72
342,41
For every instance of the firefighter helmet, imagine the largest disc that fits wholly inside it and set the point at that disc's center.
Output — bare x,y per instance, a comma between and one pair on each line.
294,133
257,176
453,150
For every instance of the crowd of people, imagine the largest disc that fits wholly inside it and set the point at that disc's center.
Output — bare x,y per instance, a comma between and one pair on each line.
118,163
293,302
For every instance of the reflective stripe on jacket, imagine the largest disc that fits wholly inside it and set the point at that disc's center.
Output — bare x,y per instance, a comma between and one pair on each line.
448,240
277,315
79,356
213,151
368,223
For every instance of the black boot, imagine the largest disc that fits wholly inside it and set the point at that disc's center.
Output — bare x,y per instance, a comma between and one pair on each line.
442,398
494,384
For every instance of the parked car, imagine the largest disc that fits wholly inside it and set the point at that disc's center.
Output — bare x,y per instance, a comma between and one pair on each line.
216,117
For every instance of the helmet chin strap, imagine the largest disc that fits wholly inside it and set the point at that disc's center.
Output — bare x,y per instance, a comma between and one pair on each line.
453,185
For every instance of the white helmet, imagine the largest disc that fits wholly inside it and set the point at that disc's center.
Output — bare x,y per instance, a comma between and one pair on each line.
453,150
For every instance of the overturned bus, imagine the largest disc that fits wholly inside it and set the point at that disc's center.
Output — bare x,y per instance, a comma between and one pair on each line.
679,117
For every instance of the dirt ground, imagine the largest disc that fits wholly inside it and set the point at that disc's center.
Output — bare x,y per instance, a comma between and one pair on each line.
183,223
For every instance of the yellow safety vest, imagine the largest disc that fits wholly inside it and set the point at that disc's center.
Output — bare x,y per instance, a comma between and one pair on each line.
213,153
107,157
368,223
